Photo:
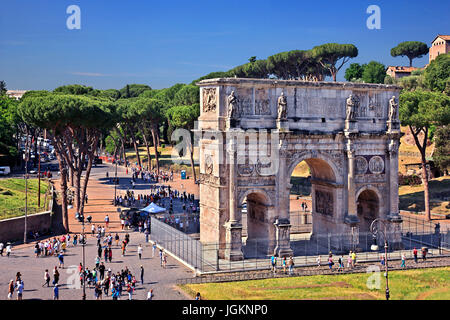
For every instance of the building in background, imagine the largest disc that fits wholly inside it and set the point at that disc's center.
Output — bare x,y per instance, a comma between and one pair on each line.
440,45
398,72
16,94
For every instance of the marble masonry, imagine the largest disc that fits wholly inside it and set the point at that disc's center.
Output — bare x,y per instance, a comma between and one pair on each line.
253,133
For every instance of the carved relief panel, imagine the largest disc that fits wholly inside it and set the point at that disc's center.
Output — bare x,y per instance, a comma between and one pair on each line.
209,99
324,202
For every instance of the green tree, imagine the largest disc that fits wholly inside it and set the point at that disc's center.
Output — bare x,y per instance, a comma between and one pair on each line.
437,74
410,49
75,89
3,89
354,72
8,126
133,90
73,123
374,72
329,54
150,112
187,95
214,75
441,155
420,110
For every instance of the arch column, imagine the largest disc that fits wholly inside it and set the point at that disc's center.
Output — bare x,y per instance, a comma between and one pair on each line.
233,250
351,217
282,223
393,215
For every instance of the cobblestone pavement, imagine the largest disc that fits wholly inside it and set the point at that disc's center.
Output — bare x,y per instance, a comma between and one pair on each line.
161,280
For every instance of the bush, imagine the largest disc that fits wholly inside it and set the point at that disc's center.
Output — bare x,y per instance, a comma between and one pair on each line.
409,180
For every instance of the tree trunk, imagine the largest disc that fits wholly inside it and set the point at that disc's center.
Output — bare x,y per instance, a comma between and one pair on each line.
136,149
422,148
86,180
71,177
426,192
63,181
410,61
155,145
149,158
191,151
78,188
124,155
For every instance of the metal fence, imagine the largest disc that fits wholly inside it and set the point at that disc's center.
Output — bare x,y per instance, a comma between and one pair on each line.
176,242
307,249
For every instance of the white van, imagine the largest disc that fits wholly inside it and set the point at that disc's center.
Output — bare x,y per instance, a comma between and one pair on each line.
4,171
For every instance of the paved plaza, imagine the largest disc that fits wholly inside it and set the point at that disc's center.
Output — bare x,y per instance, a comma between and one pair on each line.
100,194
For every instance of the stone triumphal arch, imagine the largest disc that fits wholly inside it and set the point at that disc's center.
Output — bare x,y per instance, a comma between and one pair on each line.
253,132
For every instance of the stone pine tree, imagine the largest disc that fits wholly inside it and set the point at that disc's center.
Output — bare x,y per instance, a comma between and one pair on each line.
150,113
184,117
410,49
420,110
74,125
329,55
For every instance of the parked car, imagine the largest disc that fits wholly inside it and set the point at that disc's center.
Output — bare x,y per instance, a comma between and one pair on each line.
4,171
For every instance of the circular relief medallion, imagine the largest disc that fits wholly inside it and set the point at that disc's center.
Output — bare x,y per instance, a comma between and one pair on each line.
245,168
376,164
361,165
208,164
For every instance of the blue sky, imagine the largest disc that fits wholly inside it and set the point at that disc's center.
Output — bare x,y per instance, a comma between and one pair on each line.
161,43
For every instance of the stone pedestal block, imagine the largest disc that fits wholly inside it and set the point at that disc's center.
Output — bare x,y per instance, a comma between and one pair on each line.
282,247
233,250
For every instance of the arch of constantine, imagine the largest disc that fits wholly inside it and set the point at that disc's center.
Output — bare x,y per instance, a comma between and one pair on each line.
252,133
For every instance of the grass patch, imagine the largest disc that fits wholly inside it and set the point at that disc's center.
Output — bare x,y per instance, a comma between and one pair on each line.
12,196
433,283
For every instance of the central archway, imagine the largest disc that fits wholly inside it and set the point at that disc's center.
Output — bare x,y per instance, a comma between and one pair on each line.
321,204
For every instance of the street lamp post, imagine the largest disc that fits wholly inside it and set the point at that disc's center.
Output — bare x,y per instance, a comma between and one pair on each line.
115,183
374,230
80,218
26,156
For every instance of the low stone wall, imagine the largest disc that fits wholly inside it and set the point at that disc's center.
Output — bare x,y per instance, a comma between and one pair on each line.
12,229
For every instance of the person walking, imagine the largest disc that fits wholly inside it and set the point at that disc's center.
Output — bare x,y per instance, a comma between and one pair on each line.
424,254
153,249
339,264
284,264
110,255
130,291
415,255
330,262
403,265
8,249
61,260
353,259
46,278
20,287
10,289
273,261
142,274
291,265
349,260
117,238
2,245
107,221
139,250
55,276
318,261
56,292
150,294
